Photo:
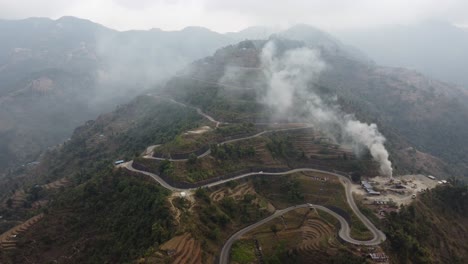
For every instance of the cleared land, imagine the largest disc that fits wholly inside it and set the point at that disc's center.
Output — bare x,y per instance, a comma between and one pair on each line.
8,239
301,233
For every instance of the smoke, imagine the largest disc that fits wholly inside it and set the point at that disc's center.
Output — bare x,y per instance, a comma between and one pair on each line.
129,65
292,76
369,136
288,75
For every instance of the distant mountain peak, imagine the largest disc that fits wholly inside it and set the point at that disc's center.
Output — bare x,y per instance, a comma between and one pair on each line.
196,29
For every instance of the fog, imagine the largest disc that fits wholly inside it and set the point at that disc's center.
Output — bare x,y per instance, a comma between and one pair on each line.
93,67
227,16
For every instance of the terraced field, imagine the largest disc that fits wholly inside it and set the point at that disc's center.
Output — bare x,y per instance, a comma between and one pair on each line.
183,249
63,182
8,239
237,192
304,233
315,234
17,199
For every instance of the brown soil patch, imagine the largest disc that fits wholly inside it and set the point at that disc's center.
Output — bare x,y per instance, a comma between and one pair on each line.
183,249
237,193
305,233
64,182
8,239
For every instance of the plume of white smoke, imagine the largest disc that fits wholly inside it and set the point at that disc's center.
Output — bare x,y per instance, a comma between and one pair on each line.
369,136
290,75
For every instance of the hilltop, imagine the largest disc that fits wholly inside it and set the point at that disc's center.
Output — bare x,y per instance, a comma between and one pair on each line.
209,126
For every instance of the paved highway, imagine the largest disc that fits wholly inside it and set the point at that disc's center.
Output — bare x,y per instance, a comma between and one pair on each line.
344,232
378,235
208,152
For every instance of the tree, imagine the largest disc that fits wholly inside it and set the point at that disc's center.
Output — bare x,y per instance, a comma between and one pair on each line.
274,229
345,156
356,177
9,203
165,167
192,159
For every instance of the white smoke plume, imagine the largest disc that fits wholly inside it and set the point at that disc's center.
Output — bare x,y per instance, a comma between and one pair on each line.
369,136
291,75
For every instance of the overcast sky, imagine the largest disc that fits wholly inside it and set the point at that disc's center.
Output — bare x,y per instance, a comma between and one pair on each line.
234,15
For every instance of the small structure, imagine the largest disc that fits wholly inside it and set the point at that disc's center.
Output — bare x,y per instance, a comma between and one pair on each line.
431,177
369,189
183,194
400,186
378,257
119,162
171,252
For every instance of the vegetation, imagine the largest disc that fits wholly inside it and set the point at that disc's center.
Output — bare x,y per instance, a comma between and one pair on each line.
113,218
315,188
243,252
232,152
234,108
108,216
430,230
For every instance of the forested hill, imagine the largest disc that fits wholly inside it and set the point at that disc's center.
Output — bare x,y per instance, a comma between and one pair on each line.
56,74
110,215
432,229
423,119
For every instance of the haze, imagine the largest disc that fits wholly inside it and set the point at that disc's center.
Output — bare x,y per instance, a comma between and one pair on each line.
225,16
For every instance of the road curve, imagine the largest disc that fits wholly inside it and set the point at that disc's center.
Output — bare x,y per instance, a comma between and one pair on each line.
208,152
344,231
378,236
199,111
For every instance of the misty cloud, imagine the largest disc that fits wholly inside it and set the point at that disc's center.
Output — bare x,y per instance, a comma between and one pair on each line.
226,15
285,75
290,76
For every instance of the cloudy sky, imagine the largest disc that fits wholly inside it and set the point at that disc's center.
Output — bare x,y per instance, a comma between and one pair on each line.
233,15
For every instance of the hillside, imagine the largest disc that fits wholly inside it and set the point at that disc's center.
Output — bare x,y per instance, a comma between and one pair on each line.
56,74
432,229
410,109
84,69
435,48
210,154
427,113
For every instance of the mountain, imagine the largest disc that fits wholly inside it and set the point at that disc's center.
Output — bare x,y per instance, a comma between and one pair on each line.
319,38
429,114
252,33
435,48
422,118
110,214
55,74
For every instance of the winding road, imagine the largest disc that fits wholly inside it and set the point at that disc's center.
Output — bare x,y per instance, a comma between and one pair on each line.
344,232
208,152
378,236
217,123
